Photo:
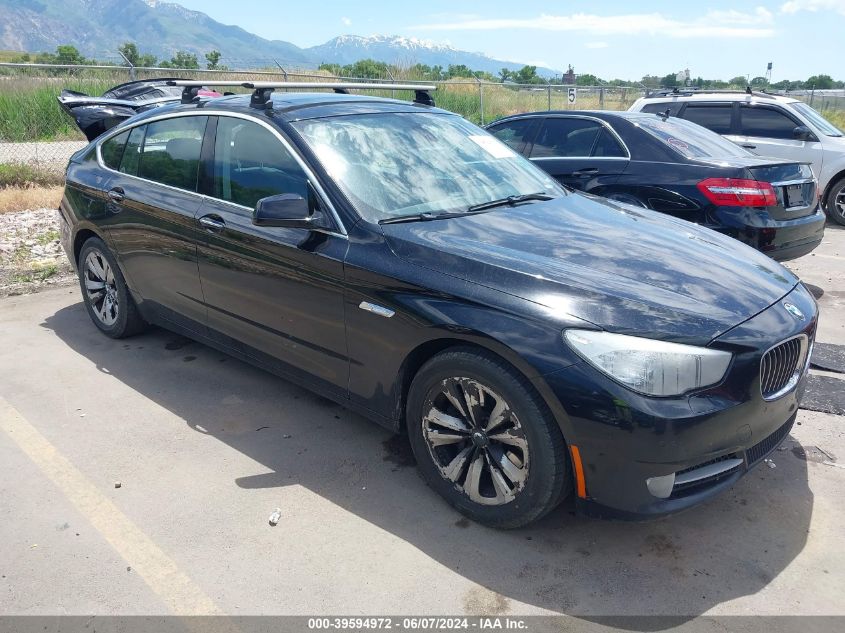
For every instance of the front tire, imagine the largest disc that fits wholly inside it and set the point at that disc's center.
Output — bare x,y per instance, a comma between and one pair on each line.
484,440
835,203
105,292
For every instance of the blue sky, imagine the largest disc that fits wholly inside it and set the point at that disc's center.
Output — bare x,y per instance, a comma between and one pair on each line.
607,38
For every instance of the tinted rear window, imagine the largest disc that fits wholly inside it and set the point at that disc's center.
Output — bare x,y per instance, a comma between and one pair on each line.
112,150
171,152
688,139
716,117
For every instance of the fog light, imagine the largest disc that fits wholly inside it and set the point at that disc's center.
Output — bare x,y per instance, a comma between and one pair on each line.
661,486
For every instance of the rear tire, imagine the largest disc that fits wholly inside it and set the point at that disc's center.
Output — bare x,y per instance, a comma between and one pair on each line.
835,203
105,293
484,440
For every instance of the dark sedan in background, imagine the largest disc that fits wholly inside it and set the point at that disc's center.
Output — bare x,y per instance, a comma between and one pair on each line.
675,167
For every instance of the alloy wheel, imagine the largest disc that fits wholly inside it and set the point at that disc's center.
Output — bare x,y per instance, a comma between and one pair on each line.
839,203
476,441
100,287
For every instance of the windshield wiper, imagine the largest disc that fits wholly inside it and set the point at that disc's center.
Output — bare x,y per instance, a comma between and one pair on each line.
509,201
427,215
474,209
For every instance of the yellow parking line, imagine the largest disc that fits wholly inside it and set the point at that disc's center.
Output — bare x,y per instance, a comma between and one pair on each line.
162,575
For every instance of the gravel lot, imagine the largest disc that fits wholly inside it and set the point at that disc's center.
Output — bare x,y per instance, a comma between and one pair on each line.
205,448
31,256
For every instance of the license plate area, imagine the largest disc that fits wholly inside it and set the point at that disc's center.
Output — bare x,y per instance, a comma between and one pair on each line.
794,196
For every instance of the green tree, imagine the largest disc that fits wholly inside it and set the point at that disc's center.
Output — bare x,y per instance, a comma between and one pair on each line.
459,70
670,81
587,80
650,81
130,51
739,81
819,82
334,69
182,59
759,82
527,75
67,54
367,68
213,59
504,74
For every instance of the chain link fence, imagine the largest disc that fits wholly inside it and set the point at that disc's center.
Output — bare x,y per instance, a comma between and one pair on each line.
34,129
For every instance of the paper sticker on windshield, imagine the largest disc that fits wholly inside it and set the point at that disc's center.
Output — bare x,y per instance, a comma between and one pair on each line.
674,142
492,146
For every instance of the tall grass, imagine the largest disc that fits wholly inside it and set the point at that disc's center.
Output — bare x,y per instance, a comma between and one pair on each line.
29,110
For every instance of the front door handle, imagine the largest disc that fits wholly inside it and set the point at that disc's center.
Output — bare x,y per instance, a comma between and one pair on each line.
212,222
116,194
749,146
583,173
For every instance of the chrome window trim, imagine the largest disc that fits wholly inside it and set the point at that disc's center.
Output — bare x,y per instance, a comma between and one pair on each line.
601,122
237,115
800,370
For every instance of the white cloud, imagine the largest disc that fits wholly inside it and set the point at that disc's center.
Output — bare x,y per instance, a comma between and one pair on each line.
346,21
714,24
596,44
794,6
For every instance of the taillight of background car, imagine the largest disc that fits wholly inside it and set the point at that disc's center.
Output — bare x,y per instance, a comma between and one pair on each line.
738,192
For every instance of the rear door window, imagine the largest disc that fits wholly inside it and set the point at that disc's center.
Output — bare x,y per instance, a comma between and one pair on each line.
516,134
563,137
607,146
112,150
171,151
715,116
766,122
250,163
132,152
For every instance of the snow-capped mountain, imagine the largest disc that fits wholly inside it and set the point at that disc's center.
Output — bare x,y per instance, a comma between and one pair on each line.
98,27
395,49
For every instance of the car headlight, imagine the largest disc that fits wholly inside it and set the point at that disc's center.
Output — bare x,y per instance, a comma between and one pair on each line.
655,368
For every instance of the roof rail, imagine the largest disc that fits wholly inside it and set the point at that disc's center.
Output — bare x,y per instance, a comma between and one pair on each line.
263,89
682,92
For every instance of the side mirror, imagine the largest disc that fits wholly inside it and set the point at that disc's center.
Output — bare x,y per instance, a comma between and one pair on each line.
288,210
803,133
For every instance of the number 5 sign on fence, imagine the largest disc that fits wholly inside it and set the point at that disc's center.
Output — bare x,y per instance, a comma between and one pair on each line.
571,97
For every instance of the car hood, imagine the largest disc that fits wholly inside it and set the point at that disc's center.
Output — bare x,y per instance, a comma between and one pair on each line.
621,268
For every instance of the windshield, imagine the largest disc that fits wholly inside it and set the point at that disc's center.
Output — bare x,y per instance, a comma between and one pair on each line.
819,122
395,164
689,139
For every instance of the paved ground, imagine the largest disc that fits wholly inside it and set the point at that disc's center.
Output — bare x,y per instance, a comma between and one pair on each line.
205,448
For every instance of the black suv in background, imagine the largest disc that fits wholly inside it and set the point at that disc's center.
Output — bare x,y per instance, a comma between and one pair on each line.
678,168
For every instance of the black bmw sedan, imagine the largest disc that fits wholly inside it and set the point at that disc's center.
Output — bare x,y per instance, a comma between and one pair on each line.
676,167
533,343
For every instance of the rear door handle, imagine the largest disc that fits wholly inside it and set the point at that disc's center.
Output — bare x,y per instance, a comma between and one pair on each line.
213,222
116,194
749,146
589,171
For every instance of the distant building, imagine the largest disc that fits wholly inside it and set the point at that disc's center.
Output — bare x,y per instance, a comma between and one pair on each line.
569,76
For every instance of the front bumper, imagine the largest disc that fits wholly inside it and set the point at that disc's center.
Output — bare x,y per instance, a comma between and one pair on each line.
707,441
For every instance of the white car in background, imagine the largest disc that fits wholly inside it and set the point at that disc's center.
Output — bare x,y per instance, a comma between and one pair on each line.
768,125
